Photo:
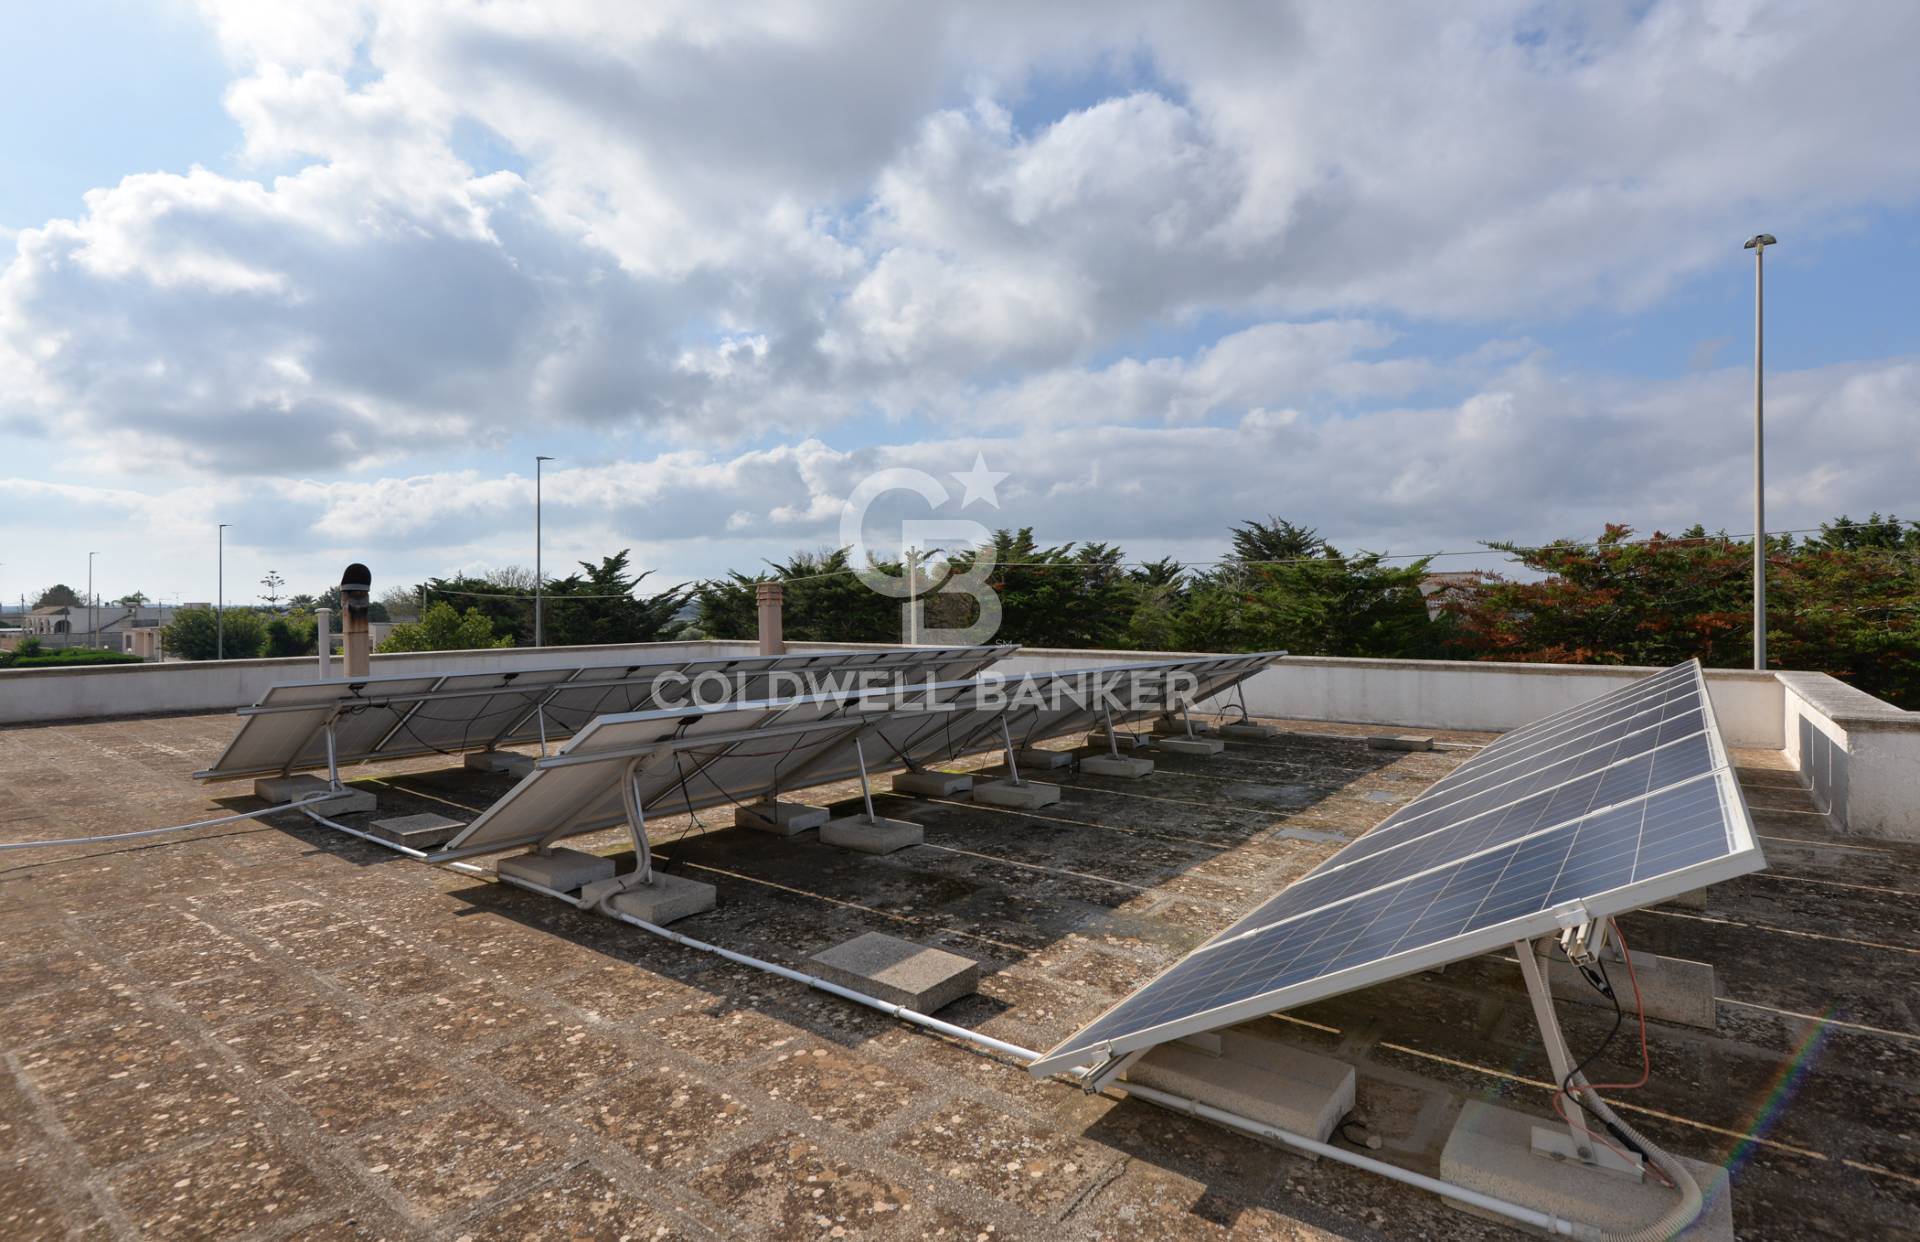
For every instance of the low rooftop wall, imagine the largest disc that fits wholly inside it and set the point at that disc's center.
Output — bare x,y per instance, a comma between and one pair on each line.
1859,755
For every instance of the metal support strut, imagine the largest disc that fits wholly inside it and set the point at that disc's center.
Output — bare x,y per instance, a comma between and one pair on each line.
636,824
333,757
866,790
1113,743
1578,1143
1013,768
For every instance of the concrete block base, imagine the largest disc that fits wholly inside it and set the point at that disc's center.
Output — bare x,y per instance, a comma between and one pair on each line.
899,971
1116,765
1122,739
1247,732
664,899
1695,900
932,784
562,870
1043,760
504,762
294,788
1025,796
1184,745
1256,1077
1400,741
782,819
871,836
1491,1151
1174,726
416,832
1672,988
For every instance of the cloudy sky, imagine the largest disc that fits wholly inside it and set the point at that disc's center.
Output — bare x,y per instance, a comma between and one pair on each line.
1418,275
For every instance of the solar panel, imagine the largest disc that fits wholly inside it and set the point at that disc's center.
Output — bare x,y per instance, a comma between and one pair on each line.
395,717
1622,802
686,760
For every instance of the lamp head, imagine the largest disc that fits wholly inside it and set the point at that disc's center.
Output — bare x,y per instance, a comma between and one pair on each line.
1760,241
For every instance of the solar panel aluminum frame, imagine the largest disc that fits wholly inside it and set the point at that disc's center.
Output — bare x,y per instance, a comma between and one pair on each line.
1109,1056
393,702
847,722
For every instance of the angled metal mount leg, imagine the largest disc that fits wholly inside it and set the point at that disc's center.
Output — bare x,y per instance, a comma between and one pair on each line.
866,788
1577,1140
1113,743
1013,767
333,757
594,894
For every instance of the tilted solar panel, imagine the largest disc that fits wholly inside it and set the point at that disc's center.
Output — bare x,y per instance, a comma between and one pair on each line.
392,717
1621,802
696,758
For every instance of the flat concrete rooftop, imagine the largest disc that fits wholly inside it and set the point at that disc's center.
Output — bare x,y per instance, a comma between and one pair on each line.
274,1031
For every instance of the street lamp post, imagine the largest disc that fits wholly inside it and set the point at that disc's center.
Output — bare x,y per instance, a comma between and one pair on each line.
220,597
1758,243
539,602
93,613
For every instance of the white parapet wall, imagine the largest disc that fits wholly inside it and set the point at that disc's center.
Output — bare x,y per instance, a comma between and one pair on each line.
42,694
1860,755
1454,694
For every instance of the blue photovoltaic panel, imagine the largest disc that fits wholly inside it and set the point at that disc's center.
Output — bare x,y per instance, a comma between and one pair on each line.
1621,802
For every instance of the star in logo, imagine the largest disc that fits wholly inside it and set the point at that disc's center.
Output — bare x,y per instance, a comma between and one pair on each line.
979,482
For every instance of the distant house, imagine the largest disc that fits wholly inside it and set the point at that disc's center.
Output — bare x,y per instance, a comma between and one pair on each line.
71,625
1439,589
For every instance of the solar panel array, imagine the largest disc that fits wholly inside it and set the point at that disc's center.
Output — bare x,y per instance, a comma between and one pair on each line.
1621,802
699,758
393,717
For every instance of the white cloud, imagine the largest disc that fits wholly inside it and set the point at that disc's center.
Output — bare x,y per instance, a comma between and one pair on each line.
1406,480
716,229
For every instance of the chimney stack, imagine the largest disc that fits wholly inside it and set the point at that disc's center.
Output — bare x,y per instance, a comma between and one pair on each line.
354,587
770,596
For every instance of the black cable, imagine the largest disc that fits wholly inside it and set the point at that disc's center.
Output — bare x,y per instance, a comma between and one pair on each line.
1604,986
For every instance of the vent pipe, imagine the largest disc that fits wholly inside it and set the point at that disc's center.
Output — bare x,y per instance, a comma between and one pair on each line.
323,640
770,596
355,584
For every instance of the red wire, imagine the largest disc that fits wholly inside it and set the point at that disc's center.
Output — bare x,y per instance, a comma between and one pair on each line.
1646,1063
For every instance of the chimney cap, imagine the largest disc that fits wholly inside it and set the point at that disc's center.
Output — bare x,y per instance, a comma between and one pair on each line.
356,577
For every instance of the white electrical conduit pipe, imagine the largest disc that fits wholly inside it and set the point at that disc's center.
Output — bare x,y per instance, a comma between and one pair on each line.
155,832
1166,1099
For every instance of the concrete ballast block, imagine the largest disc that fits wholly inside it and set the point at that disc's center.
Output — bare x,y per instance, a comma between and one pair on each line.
1171,726
1184,745
871,836
782,819
1247,731
1263,1079
1121,739
295,788
562,869
417,832
932,784
1043,760
1400,741
1673,989
899,971
1491,1150
1025,796
505,762
664,899
1116,765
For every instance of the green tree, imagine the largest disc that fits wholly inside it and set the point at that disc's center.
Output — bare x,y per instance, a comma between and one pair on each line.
195,634
443,629
290,637
272,588
133,599
59,595
1845,603
825,601
599,605
1285,588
